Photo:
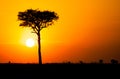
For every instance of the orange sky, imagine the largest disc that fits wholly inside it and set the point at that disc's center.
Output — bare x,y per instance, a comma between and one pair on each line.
87,30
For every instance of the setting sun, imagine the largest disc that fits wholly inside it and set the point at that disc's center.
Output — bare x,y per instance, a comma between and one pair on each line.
30,42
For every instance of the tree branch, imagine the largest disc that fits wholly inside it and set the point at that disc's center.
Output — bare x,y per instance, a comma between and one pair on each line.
35,30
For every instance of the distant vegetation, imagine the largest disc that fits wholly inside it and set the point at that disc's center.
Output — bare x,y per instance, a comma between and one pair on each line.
112,61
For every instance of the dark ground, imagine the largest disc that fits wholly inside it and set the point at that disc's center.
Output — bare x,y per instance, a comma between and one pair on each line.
45,71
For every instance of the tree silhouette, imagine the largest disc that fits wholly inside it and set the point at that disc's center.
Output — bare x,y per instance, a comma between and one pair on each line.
37,20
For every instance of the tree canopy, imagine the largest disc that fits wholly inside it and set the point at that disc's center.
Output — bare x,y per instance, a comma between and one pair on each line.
36,19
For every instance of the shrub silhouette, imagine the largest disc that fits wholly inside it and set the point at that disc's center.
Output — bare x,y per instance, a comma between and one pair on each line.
101,61
113,61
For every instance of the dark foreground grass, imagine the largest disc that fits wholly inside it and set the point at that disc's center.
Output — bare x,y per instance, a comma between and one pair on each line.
57,70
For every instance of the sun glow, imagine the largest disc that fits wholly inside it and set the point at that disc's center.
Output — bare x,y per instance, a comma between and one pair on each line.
30,42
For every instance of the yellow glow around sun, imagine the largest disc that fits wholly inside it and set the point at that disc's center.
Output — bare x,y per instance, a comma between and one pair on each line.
30,42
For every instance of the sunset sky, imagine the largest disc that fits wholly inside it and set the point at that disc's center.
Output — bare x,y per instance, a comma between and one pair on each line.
87,30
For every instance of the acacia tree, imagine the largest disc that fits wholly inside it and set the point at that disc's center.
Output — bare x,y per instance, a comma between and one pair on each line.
37,20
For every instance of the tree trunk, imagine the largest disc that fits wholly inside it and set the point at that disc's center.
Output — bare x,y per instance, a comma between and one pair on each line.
39,49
